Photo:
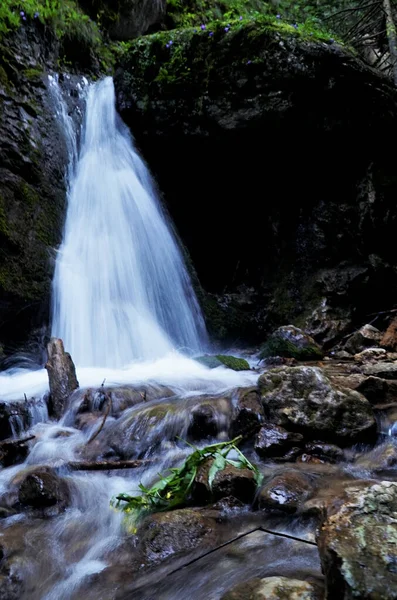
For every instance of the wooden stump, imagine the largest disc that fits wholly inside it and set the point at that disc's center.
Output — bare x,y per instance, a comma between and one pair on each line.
61,375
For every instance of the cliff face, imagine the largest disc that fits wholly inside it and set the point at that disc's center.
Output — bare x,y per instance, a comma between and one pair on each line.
33,162
270,149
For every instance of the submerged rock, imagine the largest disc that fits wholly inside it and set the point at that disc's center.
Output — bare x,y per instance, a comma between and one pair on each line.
291,342
217,360
61,375
326,452
358,544
167,534
303,399
274,588
273,440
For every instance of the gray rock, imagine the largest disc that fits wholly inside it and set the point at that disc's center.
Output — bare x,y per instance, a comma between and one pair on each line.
285,492
274,588
363,338
358,544
273,440
291,342
384,370
302,399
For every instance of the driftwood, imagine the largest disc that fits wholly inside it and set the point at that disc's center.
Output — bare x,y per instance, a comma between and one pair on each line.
61,375
104,465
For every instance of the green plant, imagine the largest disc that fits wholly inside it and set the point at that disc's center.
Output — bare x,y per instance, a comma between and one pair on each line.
173,490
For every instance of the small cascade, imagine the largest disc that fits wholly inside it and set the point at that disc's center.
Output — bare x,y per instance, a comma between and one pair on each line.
121,290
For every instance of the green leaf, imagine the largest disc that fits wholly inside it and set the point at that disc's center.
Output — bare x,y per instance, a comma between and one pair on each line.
218,465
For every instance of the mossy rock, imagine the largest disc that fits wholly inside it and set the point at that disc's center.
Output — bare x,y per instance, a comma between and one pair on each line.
291,342
231,362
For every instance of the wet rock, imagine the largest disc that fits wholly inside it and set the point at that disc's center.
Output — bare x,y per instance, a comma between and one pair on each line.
285,491
341,355
385,370
203,422
273,440
163,535
43,488
381,460
290,455
291,342
61,375
370,354
14,418
248,413
230,481
326,452
231,362
357,543
363,338
378,390
389,338
302,399
274,588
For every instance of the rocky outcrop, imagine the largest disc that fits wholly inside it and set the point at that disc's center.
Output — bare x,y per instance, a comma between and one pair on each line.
302,399
357,544
322,259
33,161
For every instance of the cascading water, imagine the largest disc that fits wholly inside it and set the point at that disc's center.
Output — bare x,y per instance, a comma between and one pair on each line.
121,289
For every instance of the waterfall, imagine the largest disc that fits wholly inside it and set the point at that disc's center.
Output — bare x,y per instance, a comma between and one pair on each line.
121,291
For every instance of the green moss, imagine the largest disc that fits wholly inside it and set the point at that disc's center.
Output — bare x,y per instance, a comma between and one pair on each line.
231,362
32,73
279,346
187,13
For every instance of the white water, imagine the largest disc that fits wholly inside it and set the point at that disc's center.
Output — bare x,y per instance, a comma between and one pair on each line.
121,290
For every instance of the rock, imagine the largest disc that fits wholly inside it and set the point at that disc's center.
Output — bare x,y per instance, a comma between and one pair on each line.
370,354
231,481
167,534
389,338
326,452
231,362
274,588
358,544
384,370
382,460
378,390
61,375
203,422
291,342
128,18
285,492
14,418
302,399
273,440
341,355
248,413
43,488
363,338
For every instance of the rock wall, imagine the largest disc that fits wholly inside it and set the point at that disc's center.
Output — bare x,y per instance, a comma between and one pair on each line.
270,149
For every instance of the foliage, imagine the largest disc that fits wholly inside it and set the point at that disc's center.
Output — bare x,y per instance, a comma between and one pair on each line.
173,490
63,17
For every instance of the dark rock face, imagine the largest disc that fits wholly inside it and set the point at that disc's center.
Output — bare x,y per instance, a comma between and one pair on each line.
357,544
365,337
303,399
248,413
14,416
253,101
33,160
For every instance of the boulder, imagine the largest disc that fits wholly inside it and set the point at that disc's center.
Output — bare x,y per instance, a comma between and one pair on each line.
285,492
378,390
357,543
302,399
248,413
365,337
273,440
169,534
230,481
217,360
385,370
382,460
389,338
291,342
42,488
14,418
274,588
61,375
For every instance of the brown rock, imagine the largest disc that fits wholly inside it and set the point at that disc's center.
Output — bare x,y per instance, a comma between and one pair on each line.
61,375
274,588
389,338
285,491
273,440
230,481
248,413
42,488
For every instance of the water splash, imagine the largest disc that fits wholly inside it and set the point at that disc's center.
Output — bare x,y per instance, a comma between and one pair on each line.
121,289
